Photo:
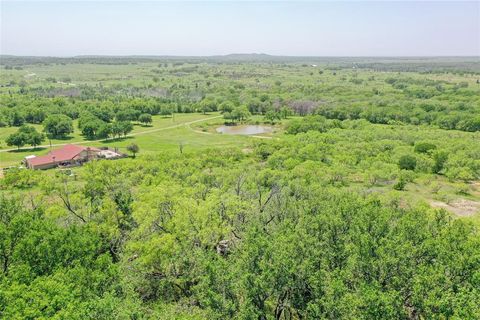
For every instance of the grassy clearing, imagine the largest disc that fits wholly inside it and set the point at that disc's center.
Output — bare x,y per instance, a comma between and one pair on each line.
146,137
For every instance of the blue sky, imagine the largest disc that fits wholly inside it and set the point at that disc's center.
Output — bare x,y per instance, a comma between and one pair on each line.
358,28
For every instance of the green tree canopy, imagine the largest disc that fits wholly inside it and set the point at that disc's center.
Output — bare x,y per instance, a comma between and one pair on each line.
58,125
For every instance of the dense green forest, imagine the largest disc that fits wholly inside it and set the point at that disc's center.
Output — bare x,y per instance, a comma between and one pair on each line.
362,201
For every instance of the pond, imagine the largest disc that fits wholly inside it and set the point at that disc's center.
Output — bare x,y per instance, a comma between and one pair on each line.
249,129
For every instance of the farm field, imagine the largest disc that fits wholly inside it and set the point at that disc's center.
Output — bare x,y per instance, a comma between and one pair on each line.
361,200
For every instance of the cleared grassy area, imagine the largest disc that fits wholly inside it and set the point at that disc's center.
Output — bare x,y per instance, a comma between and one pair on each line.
151,138
170,141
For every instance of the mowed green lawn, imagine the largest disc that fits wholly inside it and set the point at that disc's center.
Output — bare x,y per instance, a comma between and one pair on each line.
164,135
158,122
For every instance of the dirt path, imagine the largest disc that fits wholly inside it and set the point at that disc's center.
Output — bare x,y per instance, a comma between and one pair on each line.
460,207
128,135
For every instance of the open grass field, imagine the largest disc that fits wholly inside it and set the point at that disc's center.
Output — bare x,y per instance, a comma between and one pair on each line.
159,76
164,134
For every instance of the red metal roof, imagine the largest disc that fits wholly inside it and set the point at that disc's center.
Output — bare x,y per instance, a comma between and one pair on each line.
67,152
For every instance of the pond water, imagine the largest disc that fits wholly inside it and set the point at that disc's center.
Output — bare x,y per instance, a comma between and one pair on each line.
249,129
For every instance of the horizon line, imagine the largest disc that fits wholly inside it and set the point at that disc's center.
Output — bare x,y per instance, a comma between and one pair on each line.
234,54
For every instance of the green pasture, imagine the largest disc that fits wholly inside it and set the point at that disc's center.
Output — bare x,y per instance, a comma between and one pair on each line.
280,78
166,134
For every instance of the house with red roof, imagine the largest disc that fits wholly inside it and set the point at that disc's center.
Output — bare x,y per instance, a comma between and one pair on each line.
68,155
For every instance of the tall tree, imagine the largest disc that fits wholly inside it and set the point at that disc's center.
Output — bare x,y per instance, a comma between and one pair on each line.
58,125
145,118
18,139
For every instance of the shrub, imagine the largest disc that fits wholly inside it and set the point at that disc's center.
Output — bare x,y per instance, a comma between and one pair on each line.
400,184
424,147
407,162
439,158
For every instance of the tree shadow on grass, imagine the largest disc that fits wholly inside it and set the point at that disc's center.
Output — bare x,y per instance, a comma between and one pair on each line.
116,140
25,150
62,138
